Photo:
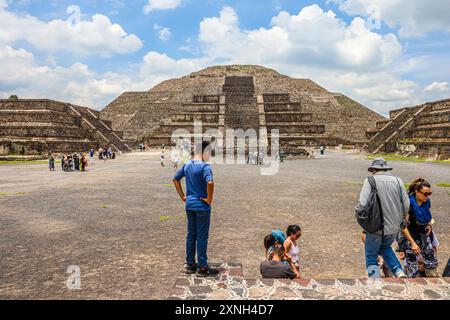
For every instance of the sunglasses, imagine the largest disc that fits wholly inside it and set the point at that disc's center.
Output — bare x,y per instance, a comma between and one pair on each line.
426,194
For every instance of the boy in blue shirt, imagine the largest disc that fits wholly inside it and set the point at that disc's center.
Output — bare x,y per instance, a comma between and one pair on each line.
198,199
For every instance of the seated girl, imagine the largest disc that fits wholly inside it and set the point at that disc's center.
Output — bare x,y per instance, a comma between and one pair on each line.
294,232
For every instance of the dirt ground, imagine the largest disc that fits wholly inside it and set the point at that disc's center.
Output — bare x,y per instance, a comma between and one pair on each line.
124,226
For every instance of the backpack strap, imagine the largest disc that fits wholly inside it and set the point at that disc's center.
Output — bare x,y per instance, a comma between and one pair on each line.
401,198
373,185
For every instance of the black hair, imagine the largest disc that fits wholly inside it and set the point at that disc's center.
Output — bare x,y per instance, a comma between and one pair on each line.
278,250
418,185
269,241
293,229
200,148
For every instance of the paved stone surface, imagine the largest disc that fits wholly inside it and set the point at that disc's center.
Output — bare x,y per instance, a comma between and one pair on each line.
305,289
124,226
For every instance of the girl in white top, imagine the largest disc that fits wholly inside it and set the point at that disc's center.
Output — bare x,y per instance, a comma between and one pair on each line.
293,233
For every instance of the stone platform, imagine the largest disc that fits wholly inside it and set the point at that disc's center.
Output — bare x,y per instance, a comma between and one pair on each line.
231,284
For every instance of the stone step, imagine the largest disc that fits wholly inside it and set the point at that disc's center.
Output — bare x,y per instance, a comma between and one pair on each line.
33,104
435,117
206,99
444,125
276,97
291,117
296,128
231,284
191,117
26,116
15,139
36,125
44,132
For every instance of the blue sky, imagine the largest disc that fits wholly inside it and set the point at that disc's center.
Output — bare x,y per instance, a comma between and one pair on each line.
384,54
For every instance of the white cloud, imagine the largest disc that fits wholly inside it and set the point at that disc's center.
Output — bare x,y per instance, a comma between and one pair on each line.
343,57
96,36
313,36
414,17
79,84
155,5
437,86
164,33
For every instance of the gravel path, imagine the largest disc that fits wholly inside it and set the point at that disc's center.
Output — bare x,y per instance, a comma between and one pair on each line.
124,226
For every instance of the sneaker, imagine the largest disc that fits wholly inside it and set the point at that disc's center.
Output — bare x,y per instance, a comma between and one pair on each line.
400,274
191,269
207,272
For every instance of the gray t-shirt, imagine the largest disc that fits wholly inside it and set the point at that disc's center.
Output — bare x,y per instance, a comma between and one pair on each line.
391,192
276,270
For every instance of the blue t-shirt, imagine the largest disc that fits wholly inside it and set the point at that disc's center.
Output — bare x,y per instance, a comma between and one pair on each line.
197,174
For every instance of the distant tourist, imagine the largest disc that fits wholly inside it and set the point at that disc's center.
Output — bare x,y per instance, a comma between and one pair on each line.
76,162
322,150
277,267
51,163
162,156
293,233
198,199
386,193
175,158
63,157
91,156
83,163
419,231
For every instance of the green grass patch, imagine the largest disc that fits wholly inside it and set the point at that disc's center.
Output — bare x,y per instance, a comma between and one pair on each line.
407,185
11,194
396,157
169,185
26,162
104,206
167,218
443,185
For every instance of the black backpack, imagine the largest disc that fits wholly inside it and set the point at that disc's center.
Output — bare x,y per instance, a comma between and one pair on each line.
370,218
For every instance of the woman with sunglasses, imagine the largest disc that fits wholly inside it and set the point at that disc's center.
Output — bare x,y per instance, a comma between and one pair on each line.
418,231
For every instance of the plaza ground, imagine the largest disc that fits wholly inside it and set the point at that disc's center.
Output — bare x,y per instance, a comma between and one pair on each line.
123,224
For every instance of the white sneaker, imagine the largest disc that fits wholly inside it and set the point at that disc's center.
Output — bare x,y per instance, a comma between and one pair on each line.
400,274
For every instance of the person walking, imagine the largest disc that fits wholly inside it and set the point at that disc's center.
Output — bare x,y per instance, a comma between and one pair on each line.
91,156
393,203
419,231
51,163
198,199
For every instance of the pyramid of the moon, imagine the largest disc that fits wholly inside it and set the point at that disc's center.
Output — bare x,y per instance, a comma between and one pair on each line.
242,97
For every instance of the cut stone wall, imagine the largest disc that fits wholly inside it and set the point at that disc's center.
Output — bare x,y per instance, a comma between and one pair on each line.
33,127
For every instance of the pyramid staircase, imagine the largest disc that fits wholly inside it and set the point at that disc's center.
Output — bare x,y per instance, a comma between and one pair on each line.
421,130
239,107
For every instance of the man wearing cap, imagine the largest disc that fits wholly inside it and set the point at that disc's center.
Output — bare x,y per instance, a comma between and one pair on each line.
395,206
